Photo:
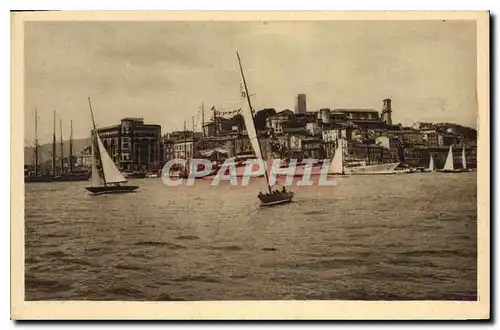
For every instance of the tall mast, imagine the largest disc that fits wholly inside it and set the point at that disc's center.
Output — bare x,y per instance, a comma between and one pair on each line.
94,139
54,147
185,151
202,119
251,111
36,141
215,121
139,158
367,147
70,159
62,147
149,154
192,149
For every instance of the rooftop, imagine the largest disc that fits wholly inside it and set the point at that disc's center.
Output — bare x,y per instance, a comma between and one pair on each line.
354,110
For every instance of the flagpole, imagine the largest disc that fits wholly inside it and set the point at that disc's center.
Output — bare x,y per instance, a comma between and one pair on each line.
202,119
215,121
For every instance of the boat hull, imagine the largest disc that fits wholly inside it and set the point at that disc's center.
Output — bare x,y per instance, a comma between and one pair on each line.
239,173
378,169
63,178
122,189
134,175
276,198
72,177
299,171
452,171
40,178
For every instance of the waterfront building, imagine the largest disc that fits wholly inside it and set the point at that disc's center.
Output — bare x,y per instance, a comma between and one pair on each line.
168,149
222,126
84,157
434,138
324,115
182,143
358,114
183,149
408,137
313,148
306,117
313,128
229,145
279,120
217,127
132,145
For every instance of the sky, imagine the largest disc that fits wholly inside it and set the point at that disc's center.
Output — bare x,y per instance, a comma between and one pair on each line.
163,71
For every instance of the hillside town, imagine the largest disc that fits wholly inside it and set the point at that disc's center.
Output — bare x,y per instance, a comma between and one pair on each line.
370,136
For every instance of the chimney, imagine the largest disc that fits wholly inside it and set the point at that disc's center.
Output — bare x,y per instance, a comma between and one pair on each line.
387,112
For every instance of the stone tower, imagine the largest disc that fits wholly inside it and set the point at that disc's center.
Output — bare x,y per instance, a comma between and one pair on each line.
387,112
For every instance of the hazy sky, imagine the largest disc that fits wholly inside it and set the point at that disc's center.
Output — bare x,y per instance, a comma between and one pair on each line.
162,71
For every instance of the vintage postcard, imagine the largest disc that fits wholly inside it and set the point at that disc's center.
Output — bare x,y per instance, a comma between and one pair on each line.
250,165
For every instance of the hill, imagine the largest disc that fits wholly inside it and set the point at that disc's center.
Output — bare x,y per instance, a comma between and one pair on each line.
46,150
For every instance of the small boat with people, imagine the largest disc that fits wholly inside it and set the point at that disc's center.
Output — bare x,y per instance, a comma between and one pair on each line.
106,179
275,197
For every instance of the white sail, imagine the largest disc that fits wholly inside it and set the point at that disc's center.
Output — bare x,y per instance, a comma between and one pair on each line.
96,179
431,164
448,165
337,164
250,126
464,161
111,173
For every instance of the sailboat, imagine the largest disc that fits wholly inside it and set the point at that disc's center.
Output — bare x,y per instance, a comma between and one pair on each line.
449,167
273,197
337,164
37,175
70,175
431,167
108,179
53,176
464,161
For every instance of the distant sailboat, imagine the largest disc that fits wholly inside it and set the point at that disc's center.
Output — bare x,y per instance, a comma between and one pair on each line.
431,167
337,164
273,197
449,167
431,164
38,176
464,161
108,179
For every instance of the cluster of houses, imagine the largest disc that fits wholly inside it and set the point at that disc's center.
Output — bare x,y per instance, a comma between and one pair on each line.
369,135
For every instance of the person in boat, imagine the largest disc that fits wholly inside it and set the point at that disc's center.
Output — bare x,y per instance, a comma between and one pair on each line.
283,190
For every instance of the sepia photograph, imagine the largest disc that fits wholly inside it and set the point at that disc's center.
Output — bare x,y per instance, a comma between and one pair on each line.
234,158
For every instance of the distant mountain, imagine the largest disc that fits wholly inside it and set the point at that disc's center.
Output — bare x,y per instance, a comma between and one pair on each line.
46,150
